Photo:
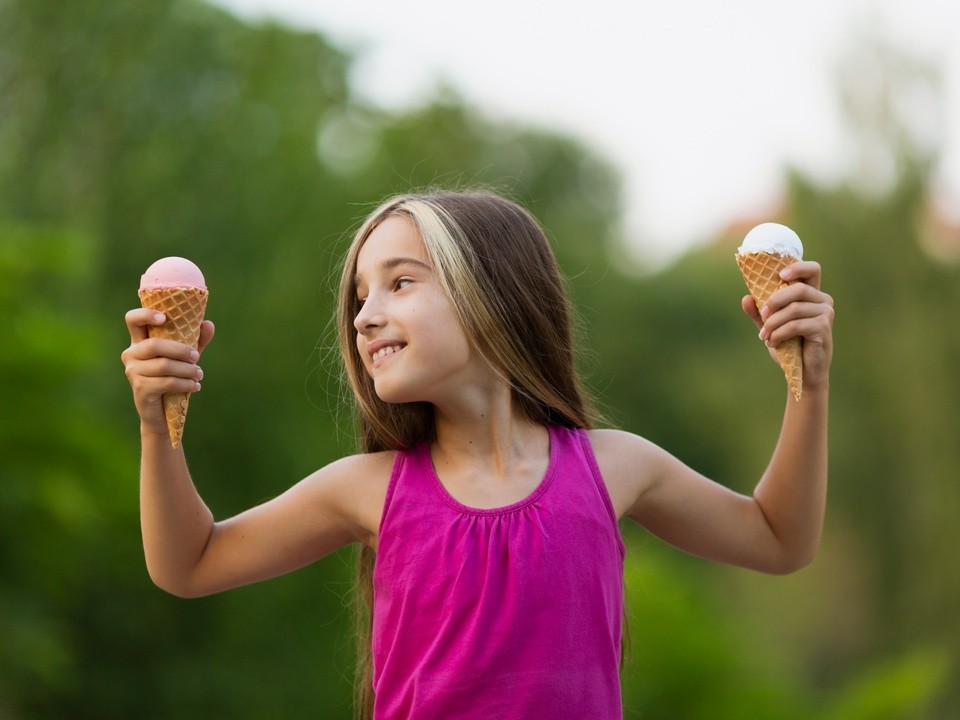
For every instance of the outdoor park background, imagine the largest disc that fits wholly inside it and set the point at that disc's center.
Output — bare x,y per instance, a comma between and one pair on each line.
129,131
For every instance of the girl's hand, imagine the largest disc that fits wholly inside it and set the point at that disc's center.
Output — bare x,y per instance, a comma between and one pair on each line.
800,309
155,366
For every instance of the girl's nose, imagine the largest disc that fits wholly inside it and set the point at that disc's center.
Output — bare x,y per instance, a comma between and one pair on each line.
369,317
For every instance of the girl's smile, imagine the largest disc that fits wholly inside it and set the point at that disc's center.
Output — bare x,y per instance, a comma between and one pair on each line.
383,349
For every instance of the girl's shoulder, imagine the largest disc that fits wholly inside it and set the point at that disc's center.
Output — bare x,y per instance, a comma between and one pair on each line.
371,470
627,462
361,484
619,449
373,464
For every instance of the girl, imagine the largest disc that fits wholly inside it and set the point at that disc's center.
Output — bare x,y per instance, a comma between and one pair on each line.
485,506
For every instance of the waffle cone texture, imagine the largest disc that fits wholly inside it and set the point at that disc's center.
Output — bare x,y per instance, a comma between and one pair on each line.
761,273
184,308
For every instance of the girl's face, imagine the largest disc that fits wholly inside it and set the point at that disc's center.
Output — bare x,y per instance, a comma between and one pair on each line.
408,333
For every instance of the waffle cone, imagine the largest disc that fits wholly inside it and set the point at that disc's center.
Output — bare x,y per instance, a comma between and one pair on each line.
184,308
761,272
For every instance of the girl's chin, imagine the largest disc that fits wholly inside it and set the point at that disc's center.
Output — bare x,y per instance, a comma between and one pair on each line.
394,395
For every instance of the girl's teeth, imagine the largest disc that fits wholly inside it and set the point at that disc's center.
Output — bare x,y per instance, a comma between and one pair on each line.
383,352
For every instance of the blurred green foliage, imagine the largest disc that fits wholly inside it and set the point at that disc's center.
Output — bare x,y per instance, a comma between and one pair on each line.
129,131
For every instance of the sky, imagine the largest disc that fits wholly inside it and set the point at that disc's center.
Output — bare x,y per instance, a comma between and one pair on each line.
700,105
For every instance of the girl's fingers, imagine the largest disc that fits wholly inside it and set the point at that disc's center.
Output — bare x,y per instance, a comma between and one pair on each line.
799,309
165,367
806,271
794,311
814,328
146,389
139,320
143,347
156,376
207,330
804,287
798,292
813,321
751,310
160,348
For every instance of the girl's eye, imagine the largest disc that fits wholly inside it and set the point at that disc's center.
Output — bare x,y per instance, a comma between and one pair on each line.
402,282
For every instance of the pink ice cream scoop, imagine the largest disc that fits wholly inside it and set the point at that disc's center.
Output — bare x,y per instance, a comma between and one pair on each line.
172,272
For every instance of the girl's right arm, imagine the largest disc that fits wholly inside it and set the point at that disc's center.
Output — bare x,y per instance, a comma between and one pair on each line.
190,555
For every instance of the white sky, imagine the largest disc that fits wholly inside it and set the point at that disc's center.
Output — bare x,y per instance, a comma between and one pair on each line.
699,103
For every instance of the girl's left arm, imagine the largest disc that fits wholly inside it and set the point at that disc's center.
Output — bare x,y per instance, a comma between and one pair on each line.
792,493
778,528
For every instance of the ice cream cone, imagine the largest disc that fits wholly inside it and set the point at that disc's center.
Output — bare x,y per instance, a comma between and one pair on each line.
761,272
184,308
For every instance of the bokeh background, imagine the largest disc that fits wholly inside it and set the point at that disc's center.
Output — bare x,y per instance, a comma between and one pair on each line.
133,130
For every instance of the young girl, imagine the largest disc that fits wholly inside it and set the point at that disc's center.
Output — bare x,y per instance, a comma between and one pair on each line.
485,505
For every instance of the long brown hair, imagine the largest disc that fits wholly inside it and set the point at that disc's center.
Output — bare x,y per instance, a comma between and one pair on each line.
496,266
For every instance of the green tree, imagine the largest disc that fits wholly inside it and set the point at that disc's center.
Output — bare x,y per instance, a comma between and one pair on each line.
68,539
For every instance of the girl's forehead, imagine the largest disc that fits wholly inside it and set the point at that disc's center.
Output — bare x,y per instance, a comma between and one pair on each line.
395,237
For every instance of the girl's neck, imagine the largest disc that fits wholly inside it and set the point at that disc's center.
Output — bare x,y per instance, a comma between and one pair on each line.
494,437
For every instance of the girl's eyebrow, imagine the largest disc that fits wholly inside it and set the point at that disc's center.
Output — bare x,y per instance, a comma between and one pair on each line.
391,263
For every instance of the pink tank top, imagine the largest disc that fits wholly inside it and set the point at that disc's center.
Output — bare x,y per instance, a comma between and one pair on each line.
508,613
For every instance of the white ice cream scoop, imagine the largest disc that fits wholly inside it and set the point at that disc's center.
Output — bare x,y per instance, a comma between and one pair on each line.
772,238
